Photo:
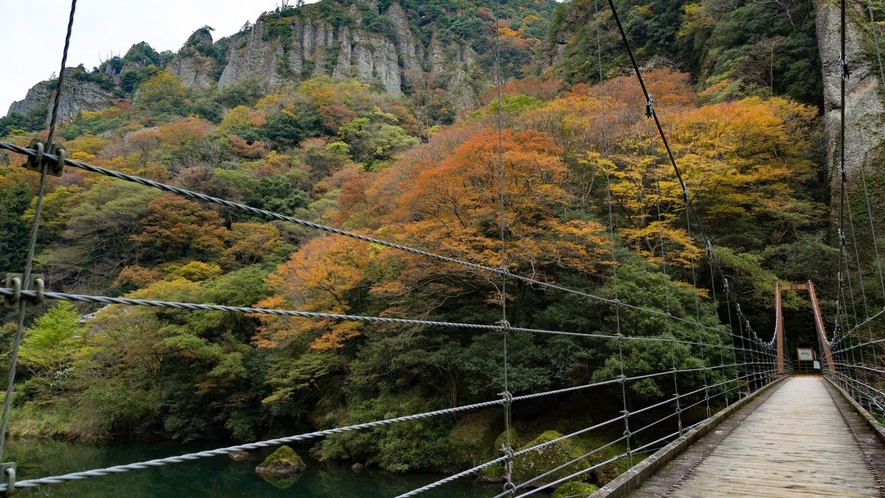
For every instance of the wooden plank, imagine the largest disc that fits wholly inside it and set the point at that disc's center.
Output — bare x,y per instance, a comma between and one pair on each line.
795,444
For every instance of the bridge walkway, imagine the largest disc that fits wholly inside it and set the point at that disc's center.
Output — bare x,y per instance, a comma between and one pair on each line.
802,438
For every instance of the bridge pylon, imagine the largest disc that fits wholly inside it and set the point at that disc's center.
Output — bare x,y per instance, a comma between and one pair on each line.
818,324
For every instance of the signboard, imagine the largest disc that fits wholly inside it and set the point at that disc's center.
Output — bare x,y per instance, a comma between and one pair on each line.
805,354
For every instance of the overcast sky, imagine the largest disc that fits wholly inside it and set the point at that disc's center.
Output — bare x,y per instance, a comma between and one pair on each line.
32,32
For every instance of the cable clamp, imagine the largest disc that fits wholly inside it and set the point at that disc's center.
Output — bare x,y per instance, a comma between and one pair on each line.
14,282
627,433
709,248
503,271
504,324
39,162
507,397
649,107
843,66
685,194
39,286
725,284
623,380
7,477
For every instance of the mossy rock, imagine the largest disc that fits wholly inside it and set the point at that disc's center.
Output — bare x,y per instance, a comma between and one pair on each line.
283,462
500,440
541,460
495,473
571,489
472,440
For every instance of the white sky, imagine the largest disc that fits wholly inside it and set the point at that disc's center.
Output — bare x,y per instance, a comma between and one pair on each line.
32,32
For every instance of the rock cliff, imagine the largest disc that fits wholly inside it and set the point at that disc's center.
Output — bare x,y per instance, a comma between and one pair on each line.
76,96
192,65
864,126
277,50
357,41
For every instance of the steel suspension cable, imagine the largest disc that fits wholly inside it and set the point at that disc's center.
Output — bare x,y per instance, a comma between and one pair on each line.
508,444
29,260
611,227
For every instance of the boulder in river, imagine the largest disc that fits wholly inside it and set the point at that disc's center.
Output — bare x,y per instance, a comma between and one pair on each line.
282,468
238,456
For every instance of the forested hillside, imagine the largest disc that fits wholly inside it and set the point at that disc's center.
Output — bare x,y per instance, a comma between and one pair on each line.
416,162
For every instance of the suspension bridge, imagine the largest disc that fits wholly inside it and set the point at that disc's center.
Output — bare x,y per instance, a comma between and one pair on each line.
749,427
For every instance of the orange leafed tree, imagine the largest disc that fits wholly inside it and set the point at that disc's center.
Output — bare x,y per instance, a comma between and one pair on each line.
453,206
176,227
450,207
321,277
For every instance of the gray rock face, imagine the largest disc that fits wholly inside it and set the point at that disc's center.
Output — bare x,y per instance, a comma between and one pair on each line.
312,47
76,96
455,61
411,53
37,96
252,57
195,71
317,48
864,126
200,37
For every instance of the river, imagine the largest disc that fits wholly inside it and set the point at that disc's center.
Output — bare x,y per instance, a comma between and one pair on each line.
208,477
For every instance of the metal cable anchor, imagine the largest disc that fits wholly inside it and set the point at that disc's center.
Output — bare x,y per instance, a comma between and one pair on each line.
7,477
38,162
14,282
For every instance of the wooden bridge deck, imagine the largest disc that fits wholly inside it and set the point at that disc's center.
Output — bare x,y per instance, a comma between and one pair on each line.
802,439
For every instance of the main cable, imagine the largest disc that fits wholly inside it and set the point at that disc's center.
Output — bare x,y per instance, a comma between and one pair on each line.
29,260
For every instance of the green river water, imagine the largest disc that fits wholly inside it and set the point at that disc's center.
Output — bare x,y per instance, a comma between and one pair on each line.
208,477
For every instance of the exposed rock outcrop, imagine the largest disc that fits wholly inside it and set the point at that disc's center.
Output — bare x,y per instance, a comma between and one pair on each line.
194,70
314,48
864,125
252,57
76,96
285,48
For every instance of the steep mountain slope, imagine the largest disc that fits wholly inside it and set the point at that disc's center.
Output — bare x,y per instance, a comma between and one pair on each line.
427,50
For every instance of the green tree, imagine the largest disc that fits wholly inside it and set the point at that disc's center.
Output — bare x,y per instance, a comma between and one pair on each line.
50,347
14,201
164,93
